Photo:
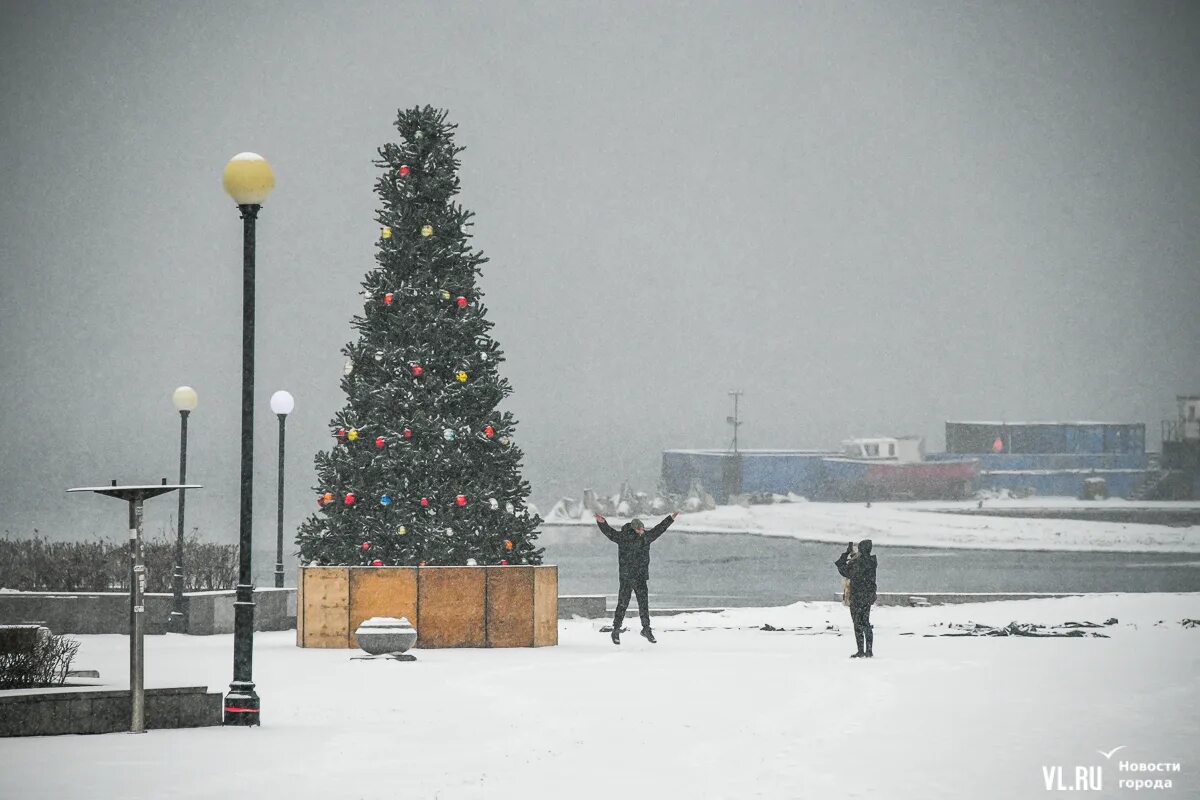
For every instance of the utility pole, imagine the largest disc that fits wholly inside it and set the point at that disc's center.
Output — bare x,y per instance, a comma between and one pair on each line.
734,420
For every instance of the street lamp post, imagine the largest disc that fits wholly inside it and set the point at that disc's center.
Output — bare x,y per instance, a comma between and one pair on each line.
282,404
248,180
135,496
185,401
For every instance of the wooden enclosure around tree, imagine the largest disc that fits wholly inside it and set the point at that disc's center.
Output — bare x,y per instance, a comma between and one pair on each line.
506,606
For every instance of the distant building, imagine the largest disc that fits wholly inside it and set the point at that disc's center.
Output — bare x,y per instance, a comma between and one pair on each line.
879,467
1054,458
1073,459
1180,475
1041,438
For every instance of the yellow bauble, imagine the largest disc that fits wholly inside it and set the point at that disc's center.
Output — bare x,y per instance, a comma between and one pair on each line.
353,434
401,530
427,230
462,377
386,233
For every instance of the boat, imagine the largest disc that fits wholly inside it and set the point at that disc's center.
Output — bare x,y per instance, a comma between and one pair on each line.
894,468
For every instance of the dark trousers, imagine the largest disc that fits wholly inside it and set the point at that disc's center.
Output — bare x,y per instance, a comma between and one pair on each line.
864,634
628,587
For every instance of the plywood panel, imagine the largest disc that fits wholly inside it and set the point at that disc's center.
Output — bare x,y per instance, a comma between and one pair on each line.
326,606
299,610
381,592
509,606
450,607
545,606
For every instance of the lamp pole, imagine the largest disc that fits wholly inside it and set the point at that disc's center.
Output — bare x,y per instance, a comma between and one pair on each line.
282,404
135,495
185,401
248,180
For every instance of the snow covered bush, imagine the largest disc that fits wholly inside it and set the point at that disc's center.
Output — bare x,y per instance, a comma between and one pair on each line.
97,565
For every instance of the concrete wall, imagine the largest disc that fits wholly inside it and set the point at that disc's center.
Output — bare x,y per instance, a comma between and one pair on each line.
589,606
49,712
108,612
951,598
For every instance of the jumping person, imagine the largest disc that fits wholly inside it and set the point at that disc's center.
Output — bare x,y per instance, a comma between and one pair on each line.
859,569
633,560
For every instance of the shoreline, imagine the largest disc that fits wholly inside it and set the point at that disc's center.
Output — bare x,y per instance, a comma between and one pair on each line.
1020,525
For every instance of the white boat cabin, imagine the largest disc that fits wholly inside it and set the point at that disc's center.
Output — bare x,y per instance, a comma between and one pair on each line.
902,449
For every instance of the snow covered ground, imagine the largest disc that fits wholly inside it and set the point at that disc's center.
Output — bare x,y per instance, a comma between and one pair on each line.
914,525
718,709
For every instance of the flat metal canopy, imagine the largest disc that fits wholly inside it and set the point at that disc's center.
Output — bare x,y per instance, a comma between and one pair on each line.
133,492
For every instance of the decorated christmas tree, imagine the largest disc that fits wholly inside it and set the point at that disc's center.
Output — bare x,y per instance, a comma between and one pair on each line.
424,469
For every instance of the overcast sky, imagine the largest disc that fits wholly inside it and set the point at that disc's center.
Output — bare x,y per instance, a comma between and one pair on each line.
870,217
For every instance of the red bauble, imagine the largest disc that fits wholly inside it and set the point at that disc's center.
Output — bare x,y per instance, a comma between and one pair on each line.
387,299
503,563
350,499
462,302
404,170
407,433
379,442
341,434
417,371
366,545
377,563
424,502
461,500
489,431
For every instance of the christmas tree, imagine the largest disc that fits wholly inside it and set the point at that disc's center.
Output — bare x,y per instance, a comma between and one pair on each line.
424,469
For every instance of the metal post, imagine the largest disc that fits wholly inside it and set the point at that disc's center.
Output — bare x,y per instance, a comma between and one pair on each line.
134,496
279,515
137,587
177,615
734,420
242,702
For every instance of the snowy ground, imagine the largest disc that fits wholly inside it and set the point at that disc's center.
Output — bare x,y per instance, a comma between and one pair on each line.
718,709
913,525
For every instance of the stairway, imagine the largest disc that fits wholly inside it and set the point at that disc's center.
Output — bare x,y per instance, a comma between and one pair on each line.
1148,489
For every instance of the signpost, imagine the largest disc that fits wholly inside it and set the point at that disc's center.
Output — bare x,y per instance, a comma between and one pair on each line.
134,495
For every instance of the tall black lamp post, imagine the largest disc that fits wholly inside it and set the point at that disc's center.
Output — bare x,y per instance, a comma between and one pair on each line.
248,180
282,404
185,401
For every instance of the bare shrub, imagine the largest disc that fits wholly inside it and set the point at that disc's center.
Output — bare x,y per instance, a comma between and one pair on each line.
38,660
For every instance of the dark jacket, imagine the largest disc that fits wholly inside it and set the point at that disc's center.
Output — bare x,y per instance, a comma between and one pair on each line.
860,571
633,551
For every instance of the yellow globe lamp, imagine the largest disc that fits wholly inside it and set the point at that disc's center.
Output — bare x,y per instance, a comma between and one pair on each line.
185,399
248,179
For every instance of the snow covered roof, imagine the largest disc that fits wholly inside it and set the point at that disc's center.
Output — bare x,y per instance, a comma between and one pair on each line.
1011,422
755,452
